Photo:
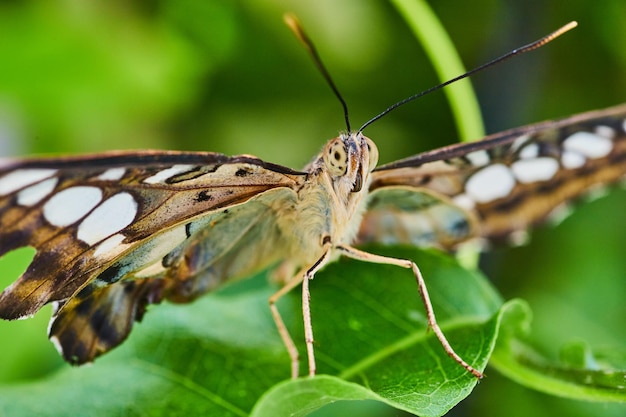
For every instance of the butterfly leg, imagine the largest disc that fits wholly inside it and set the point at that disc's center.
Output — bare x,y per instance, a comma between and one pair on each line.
430,313
303,277
280,324
306,309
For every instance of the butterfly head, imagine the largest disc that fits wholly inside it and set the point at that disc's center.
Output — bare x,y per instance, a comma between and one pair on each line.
348,160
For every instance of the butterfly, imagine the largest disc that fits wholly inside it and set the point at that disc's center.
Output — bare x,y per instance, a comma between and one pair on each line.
118,231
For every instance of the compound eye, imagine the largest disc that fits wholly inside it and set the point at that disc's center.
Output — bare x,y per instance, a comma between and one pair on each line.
336,158
373,153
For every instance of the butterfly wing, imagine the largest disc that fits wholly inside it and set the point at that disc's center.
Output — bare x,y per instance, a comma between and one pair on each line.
177,220
500,185
100,318
225,244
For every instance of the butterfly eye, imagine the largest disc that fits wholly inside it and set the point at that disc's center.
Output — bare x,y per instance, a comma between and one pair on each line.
373,153
336,158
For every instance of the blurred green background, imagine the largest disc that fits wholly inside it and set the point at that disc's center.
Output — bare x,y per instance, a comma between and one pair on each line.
227,76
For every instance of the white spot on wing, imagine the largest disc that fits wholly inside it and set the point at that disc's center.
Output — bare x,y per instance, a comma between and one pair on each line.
537,169
529,151
464,201
606,131
70,205
111,246
519,142
112,174
490,183
572,160
478,158
588,144
21,178
596,192
108,218
559,213
518,238
35,193
55,340
167,173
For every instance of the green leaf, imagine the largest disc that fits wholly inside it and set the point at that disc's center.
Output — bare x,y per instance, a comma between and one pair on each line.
218,356
580,373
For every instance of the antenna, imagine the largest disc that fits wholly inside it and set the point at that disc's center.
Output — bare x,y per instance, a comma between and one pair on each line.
296,27
526,48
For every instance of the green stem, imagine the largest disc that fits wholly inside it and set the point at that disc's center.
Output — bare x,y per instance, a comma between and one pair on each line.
447,63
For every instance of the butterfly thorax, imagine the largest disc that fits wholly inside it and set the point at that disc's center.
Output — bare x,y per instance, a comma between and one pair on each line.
330,204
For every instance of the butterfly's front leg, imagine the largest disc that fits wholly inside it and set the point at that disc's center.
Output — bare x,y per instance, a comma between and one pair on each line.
303,276
430,313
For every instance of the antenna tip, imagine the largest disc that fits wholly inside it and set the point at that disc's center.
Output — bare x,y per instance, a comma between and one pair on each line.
292,21
565,28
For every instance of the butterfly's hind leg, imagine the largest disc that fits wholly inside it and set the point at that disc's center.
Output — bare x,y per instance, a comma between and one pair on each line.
280,324
303,276
430,313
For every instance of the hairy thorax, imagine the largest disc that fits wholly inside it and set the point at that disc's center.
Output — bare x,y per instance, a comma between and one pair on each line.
318,222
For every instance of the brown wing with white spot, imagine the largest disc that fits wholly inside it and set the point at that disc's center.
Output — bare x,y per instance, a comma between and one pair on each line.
504,183
98,319
98,221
